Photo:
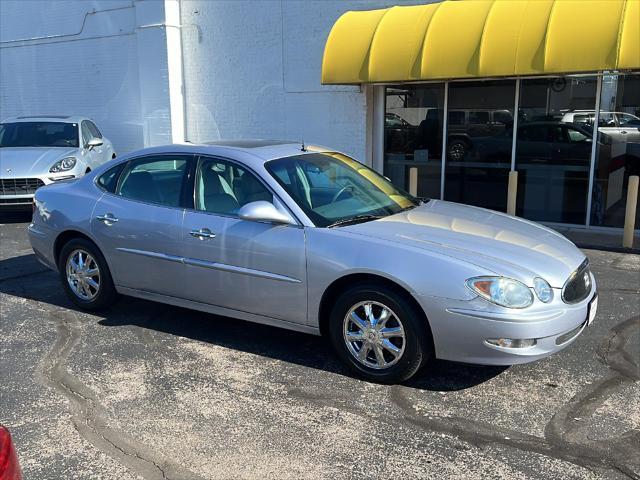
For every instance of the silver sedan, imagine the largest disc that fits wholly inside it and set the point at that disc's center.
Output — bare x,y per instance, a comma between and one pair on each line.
311,240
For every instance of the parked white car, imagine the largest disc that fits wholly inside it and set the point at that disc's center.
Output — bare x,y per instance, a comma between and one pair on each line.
36,151
622,127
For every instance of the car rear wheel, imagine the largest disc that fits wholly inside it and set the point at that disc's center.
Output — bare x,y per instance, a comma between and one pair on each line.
85,275
379,334
457,149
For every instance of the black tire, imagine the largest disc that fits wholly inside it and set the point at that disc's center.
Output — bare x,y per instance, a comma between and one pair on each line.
457,149
418,346
106,293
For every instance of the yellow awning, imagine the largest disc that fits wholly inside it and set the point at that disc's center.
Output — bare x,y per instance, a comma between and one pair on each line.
483,38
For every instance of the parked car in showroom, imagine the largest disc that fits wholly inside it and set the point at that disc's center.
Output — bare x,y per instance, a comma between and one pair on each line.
549,142
621,127
37,151
311,240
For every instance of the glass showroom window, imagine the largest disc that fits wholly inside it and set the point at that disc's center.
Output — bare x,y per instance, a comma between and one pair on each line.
553,149
618,149
413,136
479,139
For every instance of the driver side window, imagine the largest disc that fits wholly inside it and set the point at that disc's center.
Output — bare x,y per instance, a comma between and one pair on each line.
86,133
93,130
223,187
576,136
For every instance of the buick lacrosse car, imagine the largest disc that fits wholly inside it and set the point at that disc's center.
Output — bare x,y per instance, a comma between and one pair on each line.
36,151
307,238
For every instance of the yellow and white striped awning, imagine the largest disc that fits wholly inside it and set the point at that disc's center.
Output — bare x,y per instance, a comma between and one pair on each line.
483,38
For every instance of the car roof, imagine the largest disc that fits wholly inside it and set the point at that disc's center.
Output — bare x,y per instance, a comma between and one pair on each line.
251,150
550,123
582,112
46,118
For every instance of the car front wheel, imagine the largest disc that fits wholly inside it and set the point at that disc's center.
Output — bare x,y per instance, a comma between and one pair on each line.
379,334
85,275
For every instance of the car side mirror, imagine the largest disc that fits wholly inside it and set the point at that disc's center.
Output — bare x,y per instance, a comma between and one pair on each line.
262,211
94,142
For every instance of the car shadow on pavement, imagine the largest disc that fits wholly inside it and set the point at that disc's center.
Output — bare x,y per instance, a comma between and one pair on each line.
24,277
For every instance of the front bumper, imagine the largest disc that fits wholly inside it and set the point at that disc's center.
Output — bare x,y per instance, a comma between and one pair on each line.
19,192
16,203
461,328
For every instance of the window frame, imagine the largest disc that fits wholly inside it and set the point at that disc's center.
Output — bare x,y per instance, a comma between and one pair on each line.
124,166
119,167
82,127
92,124
191,189
279,181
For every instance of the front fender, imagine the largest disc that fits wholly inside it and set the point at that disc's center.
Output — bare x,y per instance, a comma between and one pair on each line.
334,253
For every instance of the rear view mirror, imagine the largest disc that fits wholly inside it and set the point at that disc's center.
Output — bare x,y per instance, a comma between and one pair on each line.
262,211
94,142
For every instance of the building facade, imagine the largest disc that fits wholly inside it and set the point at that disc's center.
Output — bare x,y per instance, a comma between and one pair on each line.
151,72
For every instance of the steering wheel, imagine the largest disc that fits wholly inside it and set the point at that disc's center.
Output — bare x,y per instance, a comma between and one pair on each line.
344,189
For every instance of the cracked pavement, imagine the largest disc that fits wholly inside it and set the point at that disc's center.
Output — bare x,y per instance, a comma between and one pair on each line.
150,391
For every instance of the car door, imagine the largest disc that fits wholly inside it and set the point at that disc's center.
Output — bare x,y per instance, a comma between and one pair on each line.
629,126
138,226
243,265
534,144
572,146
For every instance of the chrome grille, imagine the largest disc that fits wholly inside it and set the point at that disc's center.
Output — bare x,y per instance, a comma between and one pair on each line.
578,286
16,201
19,186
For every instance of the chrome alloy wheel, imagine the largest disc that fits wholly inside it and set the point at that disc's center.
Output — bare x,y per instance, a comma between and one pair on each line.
83,274
374,335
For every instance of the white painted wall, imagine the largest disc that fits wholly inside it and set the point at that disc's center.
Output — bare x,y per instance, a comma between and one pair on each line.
106,59
252,70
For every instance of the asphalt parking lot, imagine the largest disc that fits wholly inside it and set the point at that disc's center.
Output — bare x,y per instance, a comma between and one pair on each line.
157,392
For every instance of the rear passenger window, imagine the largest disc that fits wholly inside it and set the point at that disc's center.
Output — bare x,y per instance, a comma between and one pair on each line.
109,180
156,180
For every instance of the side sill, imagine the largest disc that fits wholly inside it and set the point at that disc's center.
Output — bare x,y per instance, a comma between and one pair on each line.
216,310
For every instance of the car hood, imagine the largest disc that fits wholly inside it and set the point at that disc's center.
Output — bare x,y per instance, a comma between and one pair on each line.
19,162
503,244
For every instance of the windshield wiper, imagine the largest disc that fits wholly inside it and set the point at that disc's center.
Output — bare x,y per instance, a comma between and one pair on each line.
354,220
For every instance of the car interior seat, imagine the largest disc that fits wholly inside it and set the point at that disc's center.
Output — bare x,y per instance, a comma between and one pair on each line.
214,197
251,190
140,186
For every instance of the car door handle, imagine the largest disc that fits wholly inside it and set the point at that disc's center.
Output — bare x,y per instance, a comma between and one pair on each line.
202,233
107,218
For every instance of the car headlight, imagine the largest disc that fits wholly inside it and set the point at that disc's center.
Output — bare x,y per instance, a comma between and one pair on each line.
502,291
543,289
63,165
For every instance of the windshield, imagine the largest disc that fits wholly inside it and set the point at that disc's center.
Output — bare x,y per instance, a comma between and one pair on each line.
39,134
332,188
